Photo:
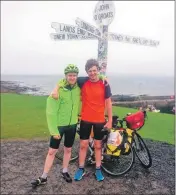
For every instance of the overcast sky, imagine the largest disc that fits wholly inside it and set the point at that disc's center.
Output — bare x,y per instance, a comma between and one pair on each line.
26,47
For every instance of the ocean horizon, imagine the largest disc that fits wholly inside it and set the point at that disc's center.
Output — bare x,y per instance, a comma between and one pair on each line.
120,83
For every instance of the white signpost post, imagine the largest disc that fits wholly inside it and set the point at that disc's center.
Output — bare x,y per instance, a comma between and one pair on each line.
103,15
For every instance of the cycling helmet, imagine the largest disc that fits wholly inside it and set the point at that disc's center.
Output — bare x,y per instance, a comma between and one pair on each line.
71,68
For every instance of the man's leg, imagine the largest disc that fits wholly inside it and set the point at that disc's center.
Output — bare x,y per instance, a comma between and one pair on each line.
54,145
98,136
49,160
85,130
68,143
83,152
98,152
66,159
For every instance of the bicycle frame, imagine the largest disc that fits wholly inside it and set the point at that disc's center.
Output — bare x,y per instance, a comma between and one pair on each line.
128,157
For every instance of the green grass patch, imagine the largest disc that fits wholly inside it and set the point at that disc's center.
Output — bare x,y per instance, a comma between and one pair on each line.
158,126
24,116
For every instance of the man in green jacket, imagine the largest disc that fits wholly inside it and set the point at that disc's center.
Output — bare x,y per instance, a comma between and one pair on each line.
96,98
62,118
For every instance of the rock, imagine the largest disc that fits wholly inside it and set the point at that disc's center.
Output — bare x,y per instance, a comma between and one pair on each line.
15,87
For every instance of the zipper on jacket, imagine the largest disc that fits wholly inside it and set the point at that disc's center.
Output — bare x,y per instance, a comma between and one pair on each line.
72,107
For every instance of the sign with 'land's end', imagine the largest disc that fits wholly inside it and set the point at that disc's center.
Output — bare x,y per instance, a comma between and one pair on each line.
104,13
70,29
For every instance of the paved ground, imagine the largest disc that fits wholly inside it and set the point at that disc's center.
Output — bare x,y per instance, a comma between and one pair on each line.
22,161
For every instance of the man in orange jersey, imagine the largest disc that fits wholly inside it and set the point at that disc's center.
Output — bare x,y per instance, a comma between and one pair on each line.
96,97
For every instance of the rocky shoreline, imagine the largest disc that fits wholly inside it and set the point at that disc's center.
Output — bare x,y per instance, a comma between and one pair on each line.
18,88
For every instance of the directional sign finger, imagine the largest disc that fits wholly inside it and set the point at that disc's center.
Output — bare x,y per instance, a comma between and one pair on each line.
88,27
132,40
69,36
66,28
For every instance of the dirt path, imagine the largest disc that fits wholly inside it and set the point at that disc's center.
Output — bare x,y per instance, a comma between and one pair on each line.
22,161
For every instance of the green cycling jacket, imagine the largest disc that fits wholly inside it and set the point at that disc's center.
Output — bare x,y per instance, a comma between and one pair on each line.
65,110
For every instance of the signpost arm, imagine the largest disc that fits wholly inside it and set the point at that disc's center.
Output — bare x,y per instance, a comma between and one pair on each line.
132,40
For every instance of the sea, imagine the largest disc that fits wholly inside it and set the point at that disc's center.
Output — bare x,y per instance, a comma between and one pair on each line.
120,84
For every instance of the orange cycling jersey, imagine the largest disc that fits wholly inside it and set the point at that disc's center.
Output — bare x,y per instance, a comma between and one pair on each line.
93,95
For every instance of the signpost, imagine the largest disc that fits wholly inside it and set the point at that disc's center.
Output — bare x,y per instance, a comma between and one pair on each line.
103,15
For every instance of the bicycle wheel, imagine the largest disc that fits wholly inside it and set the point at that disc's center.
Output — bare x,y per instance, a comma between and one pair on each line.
141,150
118,165
74,154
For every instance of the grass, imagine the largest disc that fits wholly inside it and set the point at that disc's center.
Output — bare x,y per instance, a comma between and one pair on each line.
23,116
158,126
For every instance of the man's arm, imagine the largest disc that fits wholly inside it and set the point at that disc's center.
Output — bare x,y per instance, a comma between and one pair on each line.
108,105
51,116
61,83
81,81
55,93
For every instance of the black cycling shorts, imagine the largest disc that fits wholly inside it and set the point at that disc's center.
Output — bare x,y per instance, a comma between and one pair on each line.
69,137
85,130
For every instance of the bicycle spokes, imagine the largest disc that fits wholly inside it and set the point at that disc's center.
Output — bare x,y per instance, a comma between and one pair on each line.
142,151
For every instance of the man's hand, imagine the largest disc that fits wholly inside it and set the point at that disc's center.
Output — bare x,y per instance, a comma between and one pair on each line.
108,125
104,78
55,93
56,136
54,96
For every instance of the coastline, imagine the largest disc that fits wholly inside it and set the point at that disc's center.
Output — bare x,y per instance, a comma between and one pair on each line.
15,87
164,103
18,88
